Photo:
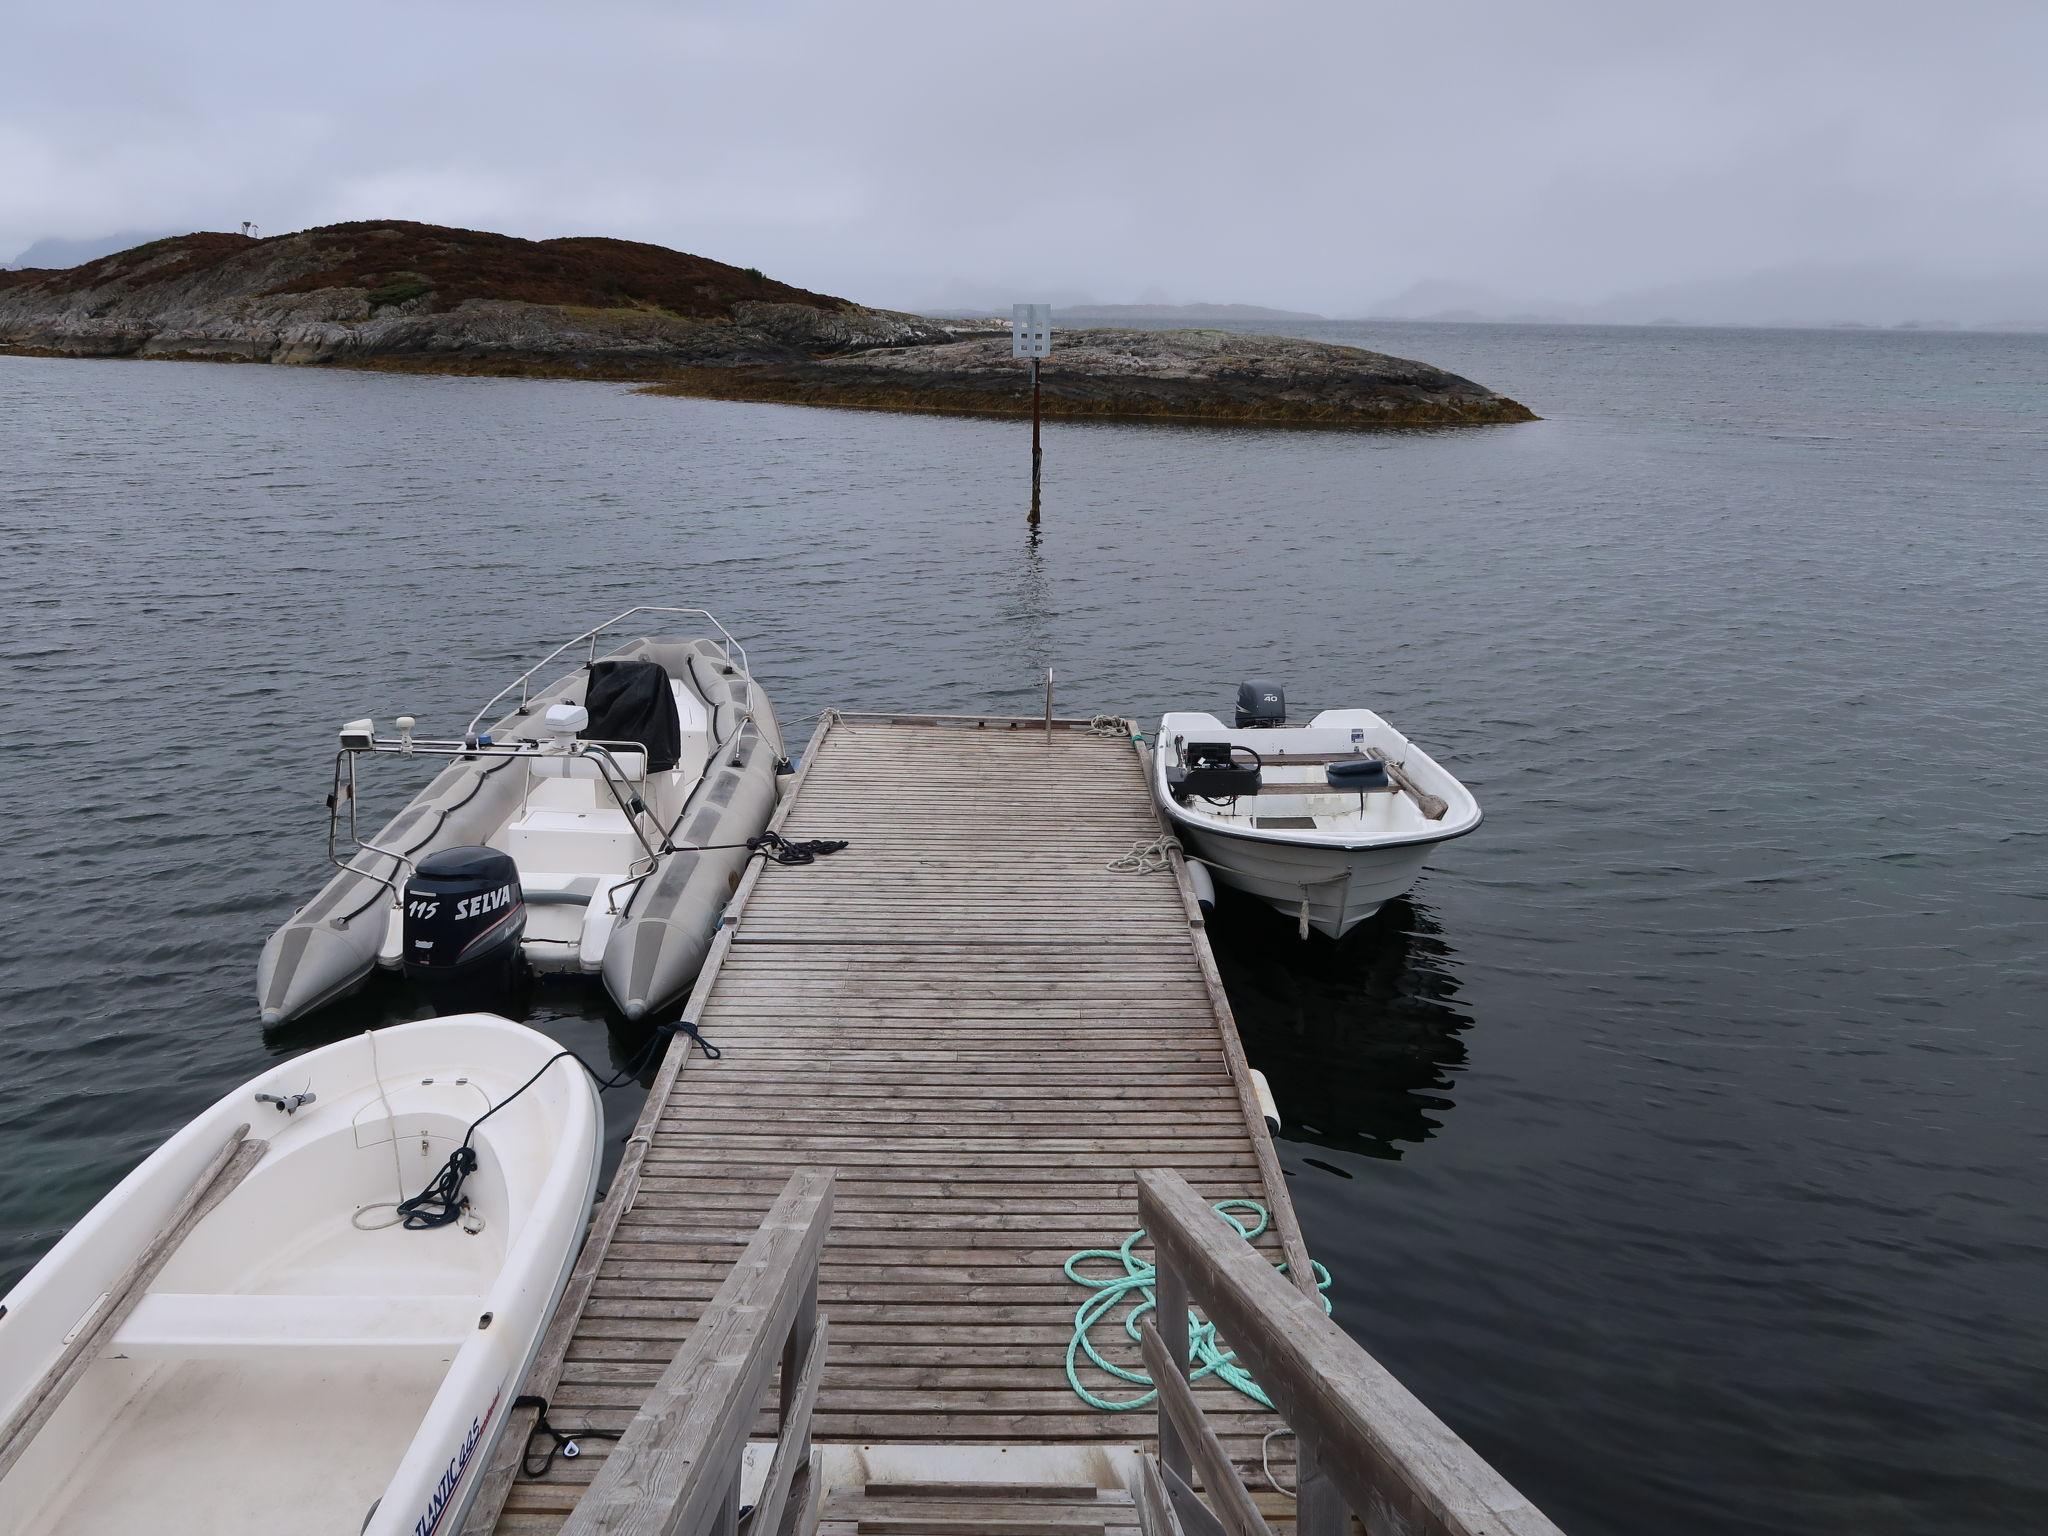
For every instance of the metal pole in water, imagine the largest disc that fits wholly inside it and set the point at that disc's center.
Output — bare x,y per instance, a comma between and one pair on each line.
1037,454
1048,706
1031,336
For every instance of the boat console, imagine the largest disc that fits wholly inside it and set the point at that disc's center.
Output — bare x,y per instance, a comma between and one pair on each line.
1210,770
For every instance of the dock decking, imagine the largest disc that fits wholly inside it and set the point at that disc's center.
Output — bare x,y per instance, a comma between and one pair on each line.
985,1030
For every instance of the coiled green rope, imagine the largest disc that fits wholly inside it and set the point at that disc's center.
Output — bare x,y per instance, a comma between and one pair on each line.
1134,1286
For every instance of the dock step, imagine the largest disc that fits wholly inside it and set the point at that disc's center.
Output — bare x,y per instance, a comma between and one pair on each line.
970,1509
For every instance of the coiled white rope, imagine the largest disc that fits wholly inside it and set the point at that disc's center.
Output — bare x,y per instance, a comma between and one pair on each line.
1144,858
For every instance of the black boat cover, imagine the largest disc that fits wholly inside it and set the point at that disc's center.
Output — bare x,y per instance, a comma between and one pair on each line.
631,701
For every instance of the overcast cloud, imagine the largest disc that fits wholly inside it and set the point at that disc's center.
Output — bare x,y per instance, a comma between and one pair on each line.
1316,156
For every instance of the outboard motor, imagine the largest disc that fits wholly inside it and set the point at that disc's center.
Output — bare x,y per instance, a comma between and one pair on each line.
1260,702
464,917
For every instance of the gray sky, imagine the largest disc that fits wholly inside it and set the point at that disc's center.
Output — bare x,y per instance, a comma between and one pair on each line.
1318,156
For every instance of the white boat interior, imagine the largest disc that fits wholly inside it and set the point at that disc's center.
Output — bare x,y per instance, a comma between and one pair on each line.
303,1356
1296,798
585,825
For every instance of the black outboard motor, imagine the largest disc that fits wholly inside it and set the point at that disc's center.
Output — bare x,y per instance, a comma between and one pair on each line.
1260,703
464,918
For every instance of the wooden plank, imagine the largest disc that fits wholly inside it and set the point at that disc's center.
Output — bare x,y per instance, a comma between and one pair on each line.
1155,1510
793,1448
1007,1492
1228,1498
800,1512
672,1469
215,1182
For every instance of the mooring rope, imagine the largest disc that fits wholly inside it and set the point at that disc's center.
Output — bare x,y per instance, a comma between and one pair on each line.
1145,858
1135,1288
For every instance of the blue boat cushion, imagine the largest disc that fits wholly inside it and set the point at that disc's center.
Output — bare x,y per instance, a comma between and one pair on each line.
1360,774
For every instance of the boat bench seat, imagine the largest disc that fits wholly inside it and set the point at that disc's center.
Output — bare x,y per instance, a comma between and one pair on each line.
631,763
211,1325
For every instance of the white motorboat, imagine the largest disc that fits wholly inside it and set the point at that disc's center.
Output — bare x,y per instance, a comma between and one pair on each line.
303,1359
598,827
1325,822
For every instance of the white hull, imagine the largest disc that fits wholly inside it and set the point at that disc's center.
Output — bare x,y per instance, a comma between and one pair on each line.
1342,887
287,1369
1327,856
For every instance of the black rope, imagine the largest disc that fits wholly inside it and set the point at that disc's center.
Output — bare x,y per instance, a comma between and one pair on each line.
561,1442
442,1202
711,1052
773,845
770,845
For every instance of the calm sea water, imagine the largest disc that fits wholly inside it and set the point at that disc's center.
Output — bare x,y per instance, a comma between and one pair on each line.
1681,1140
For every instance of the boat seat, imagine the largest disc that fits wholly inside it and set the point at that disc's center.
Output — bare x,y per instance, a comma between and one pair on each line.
558,890
694,724
632,765
211,1325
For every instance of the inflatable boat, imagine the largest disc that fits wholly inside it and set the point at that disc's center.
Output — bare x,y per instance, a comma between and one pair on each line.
246,1335
598,827
1325,822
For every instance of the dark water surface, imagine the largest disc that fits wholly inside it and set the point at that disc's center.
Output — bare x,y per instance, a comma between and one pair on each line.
1681,1141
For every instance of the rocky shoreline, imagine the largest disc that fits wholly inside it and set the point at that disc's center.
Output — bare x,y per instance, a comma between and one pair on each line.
417,298
1130,375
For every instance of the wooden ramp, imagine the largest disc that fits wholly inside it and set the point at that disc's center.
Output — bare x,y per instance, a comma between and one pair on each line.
985,1030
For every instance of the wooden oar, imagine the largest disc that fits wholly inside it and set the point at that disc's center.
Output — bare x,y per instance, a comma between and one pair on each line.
1432,806
227,1168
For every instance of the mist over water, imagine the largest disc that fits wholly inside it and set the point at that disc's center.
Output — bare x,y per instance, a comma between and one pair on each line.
1679,1140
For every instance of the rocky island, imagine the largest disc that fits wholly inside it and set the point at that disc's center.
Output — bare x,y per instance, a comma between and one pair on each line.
417,297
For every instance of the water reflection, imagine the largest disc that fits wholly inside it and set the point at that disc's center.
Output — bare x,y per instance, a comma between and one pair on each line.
1360,1038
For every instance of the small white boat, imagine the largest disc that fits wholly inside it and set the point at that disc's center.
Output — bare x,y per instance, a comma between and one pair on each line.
1324,822
597,827
302,1360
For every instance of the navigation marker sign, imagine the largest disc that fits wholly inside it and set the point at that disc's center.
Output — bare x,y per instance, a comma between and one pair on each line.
1031,330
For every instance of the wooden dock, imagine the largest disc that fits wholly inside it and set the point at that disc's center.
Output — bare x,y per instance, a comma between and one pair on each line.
983,1031
986,1031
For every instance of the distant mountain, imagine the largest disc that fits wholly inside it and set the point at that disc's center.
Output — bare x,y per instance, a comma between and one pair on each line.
1066,314
1433,300
61,253
1179,312
1849,294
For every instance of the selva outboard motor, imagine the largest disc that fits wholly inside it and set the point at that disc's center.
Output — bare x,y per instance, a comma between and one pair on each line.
1260,703
464,918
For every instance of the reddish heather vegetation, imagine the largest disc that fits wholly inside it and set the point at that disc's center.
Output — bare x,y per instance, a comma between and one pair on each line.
178,256
459,264
447,266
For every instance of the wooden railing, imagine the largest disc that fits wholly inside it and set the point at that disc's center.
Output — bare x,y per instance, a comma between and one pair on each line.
1367,1446
676,1471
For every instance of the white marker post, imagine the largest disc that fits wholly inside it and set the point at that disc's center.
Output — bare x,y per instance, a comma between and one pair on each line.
1031,336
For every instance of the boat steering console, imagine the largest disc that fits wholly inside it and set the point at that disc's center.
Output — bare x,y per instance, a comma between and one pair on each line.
1215,771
